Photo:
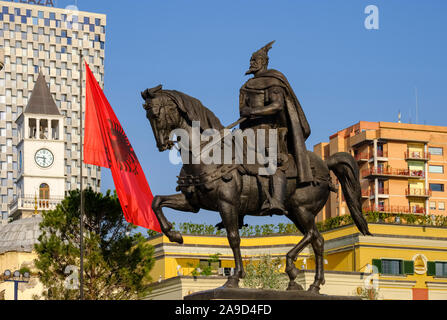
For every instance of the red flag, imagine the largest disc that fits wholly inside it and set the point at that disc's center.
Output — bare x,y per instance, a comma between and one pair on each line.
106,145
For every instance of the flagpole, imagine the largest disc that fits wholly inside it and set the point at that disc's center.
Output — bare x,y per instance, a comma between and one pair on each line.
82,184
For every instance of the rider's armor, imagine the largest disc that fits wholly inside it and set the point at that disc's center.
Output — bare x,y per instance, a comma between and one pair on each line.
258,99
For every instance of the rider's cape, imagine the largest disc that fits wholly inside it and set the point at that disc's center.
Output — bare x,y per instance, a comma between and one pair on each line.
299,129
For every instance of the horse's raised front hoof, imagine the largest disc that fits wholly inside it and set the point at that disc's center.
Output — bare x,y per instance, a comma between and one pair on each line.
293,286
232,283
175,236
314,289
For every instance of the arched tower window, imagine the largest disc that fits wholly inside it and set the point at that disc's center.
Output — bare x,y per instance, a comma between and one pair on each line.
44,191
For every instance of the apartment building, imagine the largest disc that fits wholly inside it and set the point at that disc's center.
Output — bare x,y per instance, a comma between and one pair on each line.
402,167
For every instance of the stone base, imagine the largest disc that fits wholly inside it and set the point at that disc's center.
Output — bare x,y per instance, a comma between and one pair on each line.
266,295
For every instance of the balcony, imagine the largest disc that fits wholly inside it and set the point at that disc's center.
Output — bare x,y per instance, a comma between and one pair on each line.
382,154
30,203
420,156
362,157
397,210
383,193
369,157
418,193
392,173
366,194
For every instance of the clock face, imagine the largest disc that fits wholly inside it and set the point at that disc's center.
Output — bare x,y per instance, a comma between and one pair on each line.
44,158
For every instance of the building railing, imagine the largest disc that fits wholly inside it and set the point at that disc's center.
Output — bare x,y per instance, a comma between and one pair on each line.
382,154
31,203
417,156
418,193
364,156
396,209
381,191
393,172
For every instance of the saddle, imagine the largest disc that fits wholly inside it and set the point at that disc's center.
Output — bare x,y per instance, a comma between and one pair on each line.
286,164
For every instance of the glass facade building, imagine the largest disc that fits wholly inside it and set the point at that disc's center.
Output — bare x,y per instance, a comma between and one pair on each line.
35,38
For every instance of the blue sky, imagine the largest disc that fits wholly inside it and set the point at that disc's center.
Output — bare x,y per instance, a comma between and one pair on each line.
341,72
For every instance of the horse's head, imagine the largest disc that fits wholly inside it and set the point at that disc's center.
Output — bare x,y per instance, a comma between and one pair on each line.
163,114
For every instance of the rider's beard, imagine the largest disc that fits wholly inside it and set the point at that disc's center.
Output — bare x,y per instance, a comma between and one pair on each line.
251,71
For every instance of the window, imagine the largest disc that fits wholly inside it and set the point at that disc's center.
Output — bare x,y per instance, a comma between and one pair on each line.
437,187
441,269
432,205
44,191
436,151
394,267
441,206
437,269
436,169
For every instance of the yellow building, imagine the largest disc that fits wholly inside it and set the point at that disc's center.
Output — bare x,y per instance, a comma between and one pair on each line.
402,167
17,241
411,261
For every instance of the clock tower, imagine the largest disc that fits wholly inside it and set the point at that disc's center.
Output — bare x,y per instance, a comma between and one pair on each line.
41,148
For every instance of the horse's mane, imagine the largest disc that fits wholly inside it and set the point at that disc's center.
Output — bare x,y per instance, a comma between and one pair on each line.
195,110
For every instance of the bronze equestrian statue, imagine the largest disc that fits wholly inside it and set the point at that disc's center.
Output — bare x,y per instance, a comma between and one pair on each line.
299,189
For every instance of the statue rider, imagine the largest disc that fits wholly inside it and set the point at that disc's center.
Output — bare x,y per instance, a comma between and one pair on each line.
268,102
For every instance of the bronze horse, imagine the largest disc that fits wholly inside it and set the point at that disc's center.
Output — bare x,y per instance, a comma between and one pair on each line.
234,192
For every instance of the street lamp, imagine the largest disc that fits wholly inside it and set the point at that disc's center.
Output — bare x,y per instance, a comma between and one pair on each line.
17,278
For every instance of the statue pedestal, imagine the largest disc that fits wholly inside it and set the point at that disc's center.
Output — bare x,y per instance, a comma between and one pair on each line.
266,295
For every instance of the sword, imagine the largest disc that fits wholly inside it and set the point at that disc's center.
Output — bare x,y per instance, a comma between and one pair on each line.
226,134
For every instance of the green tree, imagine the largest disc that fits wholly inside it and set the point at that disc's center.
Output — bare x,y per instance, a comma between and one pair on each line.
117,260
265,274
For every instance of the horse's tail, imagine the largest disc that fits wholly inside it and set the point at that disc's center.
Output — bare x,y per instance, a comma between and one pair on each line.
348,173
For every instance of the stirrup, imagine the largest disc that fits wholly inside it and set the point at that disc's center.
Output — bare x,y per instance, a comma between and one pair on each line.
272,210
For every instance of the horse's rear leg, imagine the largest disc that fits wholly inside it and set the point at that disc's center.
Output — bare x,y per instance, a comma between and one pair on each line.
176,202
318,246
305,222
